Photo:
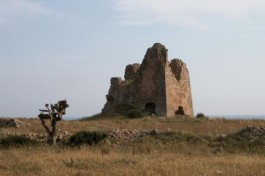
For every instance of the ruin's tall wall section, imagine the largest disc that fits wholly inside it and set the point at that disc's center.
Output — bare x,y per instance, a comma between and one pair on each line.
151,80
178,89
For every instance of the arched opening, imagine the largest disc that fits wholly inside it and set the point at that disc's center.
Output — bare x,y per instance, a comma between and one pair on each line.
150,107
180,111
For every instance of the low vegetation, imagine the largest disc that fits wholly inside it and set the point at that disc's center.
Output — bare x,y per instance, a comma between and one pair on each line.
16,141
201,116
86,137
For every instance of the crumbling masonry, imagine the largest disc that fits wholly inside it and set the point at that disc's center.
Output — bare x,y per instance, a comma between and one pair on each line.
157,85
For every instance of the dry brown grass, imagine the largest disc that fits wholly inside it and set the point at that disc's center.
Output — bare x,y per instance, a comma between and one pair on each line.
91,161
146,158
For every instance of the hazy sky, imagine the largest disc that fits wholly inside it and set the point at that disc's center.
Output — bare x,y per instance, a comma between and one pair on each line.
69,49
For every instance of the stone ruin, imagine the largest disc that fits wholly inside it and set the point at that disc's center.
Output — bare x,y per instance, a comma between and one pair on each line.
157,85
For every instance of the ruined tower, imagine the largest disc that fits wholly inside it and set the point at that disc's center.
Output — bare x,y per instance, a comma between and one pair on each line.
157,85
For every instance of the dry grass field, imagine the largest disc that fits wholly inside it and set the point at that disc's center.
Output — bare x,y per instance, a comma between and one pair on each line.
91,161
148,157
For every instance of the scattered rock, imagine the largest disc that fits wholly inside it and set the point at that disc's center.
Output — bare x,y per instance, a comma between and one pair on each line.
10,123
249,133
247,139
127,135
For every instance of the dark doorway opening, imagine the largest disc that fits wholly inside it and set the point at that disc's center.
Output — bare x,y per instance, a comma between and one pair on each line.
180,111
150,107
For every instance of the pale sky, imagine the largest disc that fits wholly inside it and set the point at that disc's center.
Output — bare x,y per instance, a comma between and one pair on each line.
69,49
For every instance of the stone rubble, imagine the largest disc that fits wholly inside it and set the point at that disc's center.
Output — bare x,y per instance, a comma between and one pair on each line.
37,137
247,137
130,135
250,133
10,123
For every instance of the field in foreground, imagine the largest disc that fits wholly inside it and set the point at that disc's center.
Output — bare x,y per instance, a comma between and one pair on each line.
92,161
147,157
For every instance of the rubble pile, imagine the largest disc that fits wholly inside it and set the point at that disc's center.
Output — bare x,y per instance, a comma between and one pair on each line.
250,139
10,123
34,136
130,135
43,137
250,133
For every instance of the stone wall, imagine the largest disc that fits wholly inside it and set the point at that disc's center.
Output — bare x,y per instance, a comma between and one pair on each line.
178,88
156,85
131,71
151,81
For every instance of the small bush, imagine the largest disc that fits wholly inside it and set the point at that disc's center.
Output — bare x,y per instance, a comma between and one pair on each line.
201,116
86,137
14,140
135,113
